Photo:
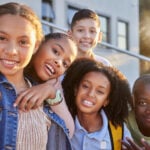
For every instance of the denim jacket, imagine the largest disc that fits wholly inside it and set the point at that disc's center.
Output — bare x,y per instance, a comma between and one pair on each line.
58,137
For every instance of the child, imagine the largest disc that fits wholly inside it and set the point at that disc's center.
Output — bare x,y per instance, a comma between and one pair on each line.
53,57
20,36
85,29
139,117
97,97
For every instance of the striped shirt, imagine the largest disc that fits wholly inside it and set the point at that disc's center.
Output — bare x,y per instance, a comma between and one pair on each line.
32,131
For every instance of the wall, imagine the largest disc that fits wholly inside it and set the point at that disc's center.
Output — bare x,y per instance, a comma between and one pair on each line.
127,10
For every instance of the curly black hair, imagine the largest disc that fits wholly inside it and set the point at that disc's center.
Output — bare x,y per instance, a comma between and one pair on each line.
119,96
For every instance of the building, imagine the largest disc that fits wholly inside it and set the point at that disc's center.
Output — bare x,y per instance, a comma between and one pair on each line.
120,26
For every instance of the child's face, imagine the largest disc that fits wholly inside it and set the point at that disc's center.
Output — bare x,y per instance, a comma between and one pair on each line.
86,33
53,58
17,44
92,93
142,106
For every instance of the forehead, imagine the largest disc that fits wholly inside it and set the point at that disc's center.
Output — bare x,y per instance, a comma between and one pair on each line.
15,24
67,45
87,22
97,77
142,86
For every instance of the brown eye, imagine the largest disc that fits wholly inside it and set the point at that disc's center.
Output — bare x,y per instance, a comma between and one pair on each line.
2,38
65,65
55,51
142,103
24,43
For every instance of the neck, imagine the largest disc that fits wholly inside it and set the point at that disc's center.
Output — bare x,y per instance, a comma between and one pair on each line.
30,72
90,122
87,54
19,82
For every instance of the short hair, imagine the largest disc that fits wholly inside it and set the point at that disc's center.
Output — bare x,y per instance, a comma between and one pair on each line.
57,35
119,96
145,79
85,14
25,12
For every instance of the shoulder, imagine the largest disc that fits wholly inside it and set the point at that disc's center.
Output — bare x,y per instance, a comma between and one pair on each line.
103,60
126,132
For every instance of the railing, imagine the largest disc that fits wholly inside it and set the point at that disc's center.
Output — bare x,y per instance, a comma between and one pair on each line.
139,56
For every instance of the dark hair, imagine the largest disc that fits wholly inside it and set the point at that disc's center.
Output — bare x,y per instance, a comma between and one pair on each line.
57,35
120,94
25,12
85,14
144,79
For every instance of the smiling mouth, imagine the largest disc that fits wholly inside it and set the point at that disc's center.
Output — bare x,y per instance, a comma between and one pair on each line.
9,63
87,103
50,69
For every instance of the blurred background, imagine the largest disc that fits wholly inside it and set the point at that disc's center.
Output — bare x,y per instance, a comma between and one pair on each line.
125,26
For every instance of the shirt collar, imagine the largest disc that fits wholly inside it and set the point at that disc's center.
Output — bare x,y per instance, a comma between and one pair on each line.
98,134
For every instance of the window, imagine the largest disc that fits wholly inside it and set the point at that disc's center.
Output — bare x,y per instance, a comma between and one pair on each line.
105,28
71,11
47,14
122,35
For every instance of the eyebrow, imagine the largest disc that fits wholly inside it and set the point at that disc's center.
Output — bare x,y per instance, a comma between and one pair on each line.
60,47
100,86
69,60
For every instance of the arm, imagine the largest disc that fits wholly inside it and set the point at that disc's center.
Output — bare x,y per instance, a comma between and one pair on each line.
35,96
61,109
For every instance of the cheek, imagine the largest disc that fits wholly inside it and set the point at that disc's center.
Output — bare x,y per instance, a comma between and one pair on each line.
77,36
139,111
26,55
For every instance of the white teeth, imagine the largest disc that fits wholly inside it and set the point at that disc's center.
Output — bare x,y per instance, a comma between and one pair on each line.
50,68
9,62
88,103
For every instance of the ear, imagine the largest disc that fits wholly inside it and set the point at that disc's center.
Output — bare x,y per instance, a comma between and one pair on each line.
100,36
106,102
69,32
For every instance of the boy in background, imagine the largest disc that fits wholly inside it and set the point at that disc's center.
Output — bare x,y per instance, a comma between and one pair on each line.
85,30
139,117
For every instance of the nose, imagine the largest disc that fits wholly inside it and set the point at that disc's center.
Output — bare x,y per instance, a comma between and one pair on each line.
11,48
87,34
58,62
91,93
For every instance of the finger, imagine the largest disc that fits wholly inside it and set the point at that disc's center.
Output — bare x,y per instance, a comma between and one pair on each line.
23,103
133,144
38,104
31,103
125,146
145,144
20,97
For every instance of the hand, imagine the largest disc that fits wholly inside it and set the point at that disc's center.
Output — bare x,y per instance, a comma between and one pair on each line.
34,96
145,144
131,145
